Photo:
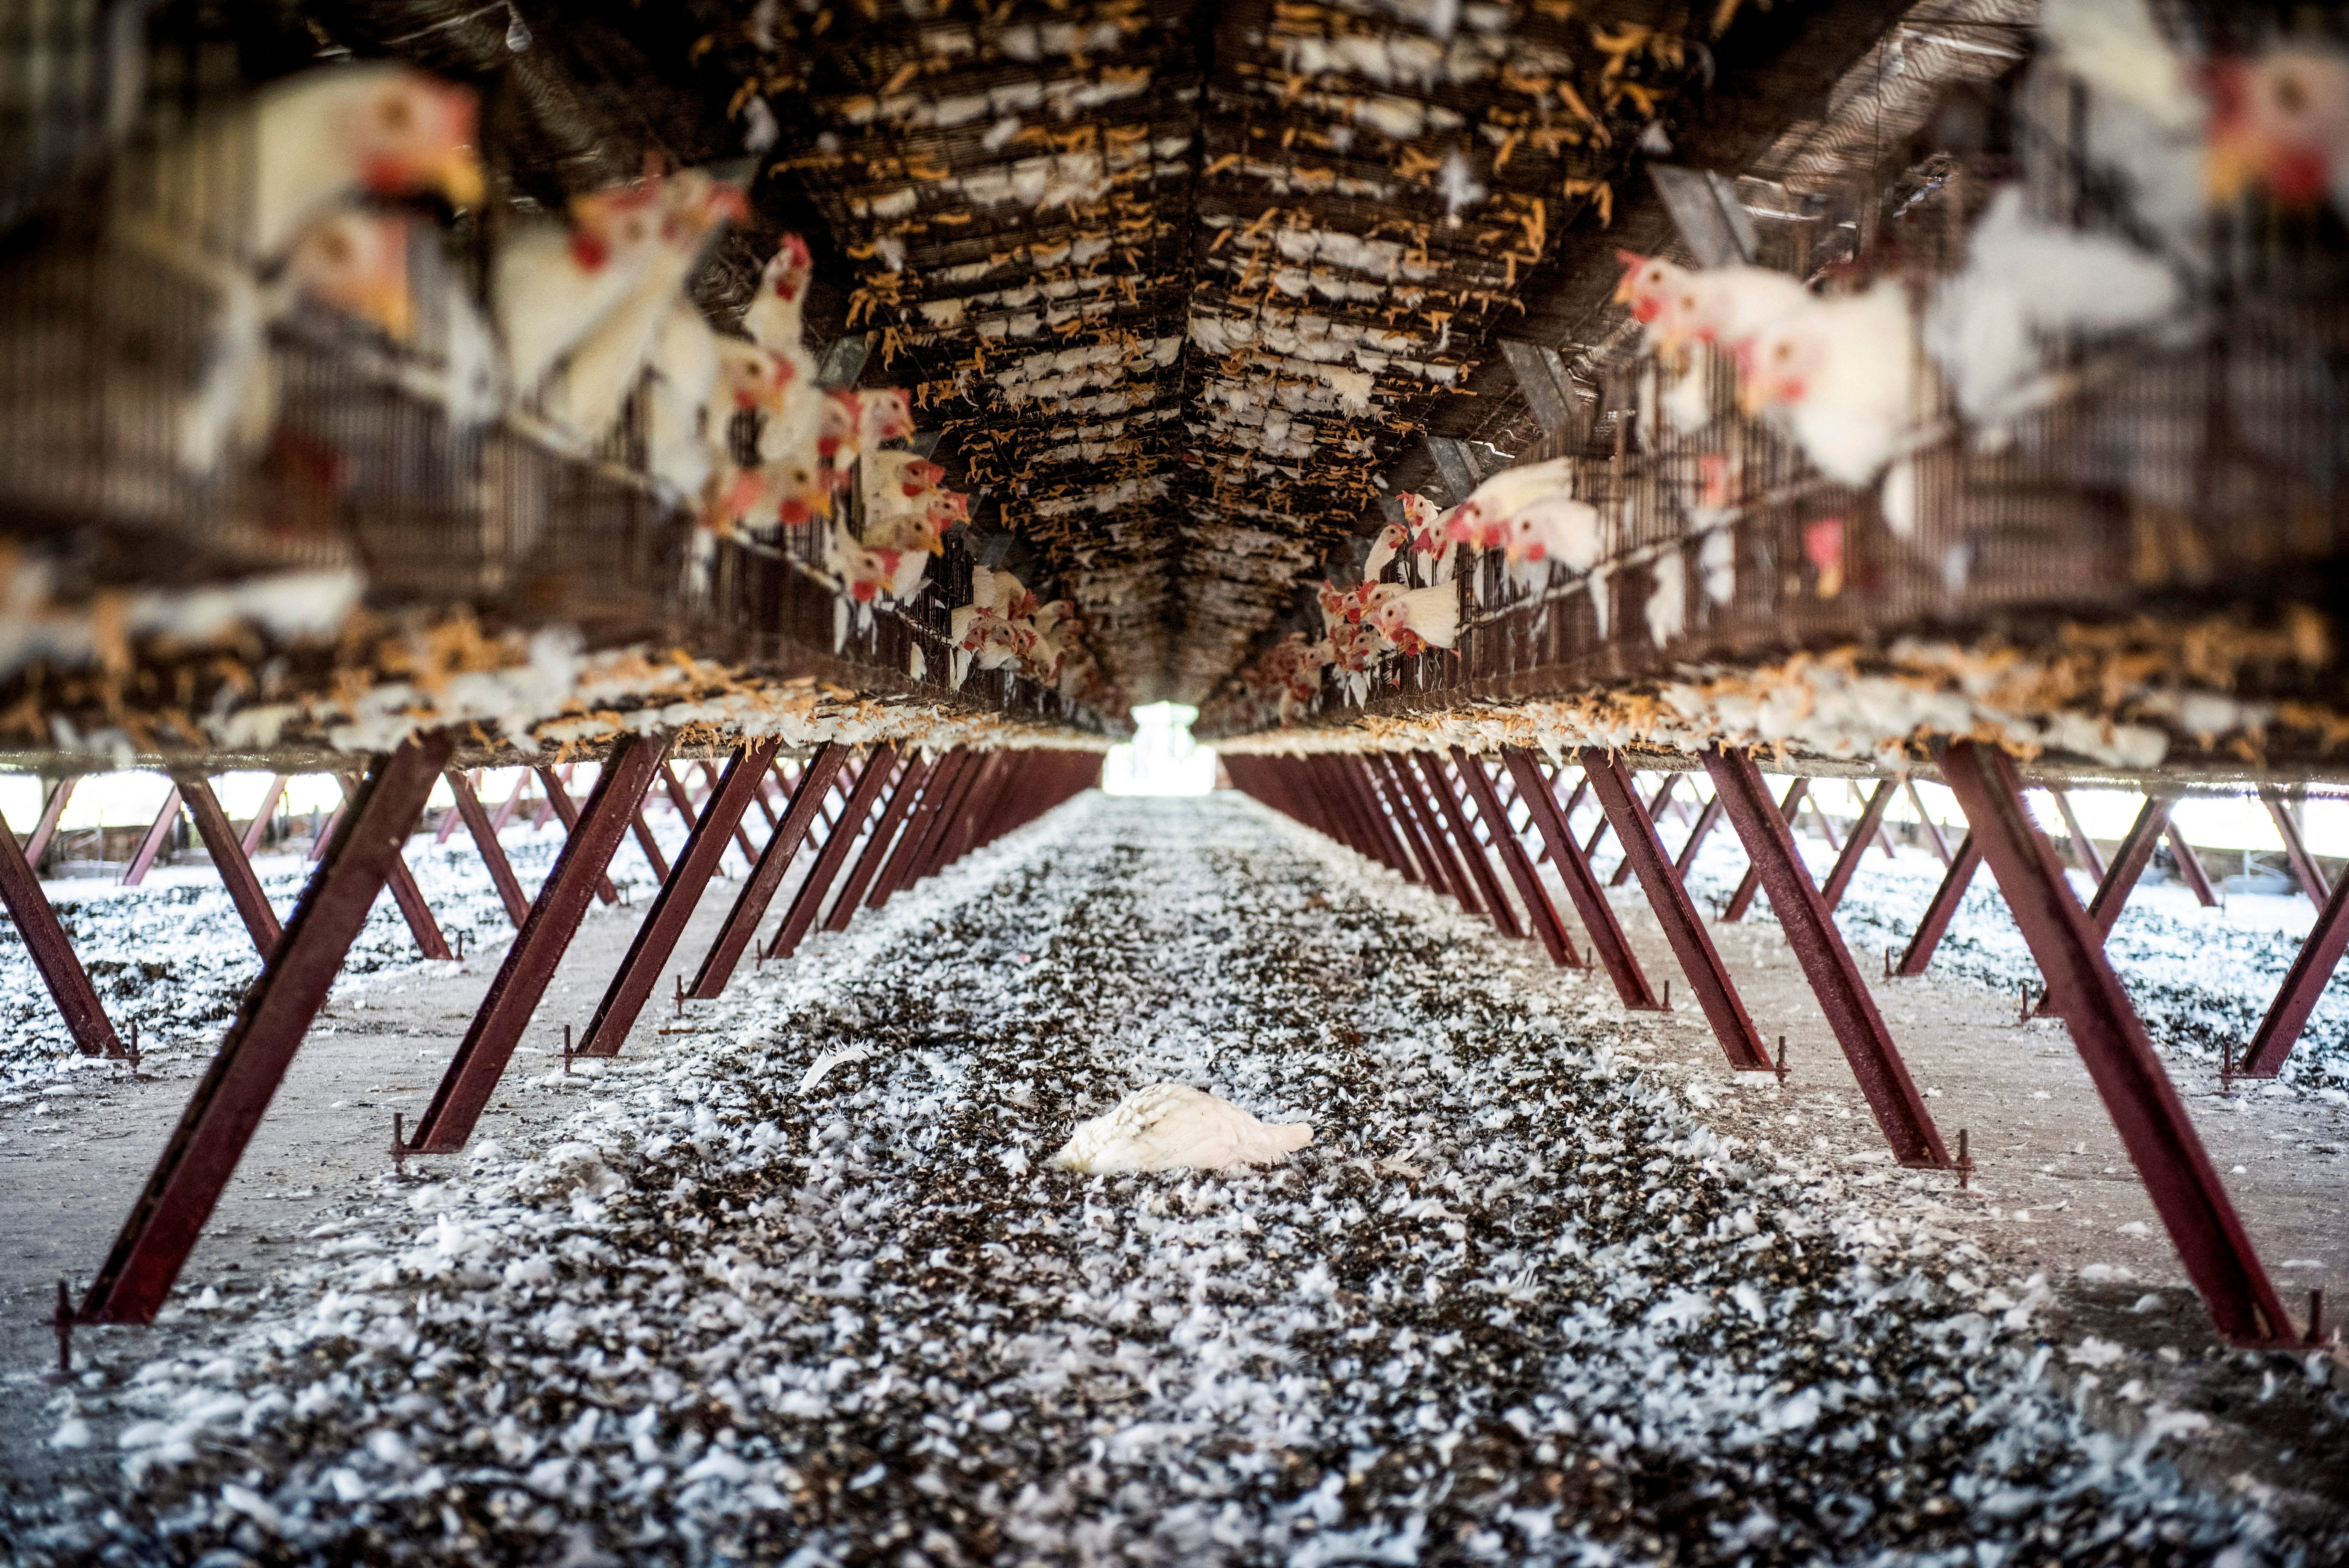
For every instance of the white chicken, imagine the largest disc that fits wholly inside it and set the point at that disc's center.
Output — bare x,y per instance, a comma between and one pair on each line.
1174,1127
553,282
1415,619
2026,280
246,185
1841,372
1556,527
683,398
588,395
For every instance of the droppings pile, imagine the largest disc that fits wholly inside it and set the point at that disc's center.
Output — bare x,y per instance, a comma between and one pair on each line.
800,1288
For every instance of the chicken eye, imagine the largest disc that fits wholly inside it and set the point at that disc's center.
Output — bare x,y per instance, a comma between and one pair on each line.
334,247
2290,97
394,114
1781,351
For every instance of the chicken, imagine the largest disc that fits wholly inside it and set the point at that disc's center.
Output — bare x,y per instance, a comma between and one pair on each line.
682,399
1393,539
2279,123
1556,527
772,319
1431,539
1841,371
586,397
355,261
883,414
1649,285
2026,280
1414,619
1482,521
1172,1127
246,185
1726,306
2117,48
551,283
896,481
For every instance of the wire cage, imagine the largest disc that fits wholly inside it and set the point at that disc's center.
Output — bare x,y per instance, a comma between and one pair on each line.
2173,469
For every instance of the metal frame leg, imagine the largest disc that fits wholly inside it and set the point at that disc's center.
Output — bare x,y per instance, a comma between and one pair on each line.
897,871
276,1012
1456,882
53,954
1435,873
558,796
228,858
951,840
1542,913
1656,804
1598,922
1479,863
537,949
52,811
646,844
799,915
151,844
262,814
1863,834
505,813
1715,992
2303,865
401,882
1806,917
1374,802
2303,983
1742,900
767,873
1942,908
2129,861
493,854
2083,848
878,842
452,816
2190,867
1707,819
2146,1110
672,910
1932,829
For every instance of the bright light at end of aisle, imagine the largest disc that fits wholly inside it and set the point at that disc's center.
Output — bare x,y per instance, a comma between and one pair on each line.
1162,759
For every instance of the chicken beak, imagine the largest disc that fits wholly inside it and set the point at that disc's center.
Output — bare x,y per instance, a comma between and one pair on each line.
458,176
2232,164
390,305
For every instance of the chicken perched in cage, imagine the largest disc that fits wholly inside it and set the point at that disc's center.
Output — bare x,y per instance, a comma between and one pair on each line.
134,363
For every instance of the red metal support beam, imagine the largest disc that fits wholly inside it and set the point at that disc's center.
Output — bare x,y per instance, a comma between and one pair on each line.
1707,976
647,845
513,802
656,941
2083,848
1355,829
228,858
2303,985
1480,864
243,1075
2189,867
709,777
1750,884
559,798
52,809
767,873
53,954
493,854
952,839
325,835
1539,910
1863,834
681,800
401,882
1931,828
262,814
1598,922
2135,852
1656,805
1707,819
537,950
2303,865
807,901
450,818
1453,874
878,844
1359,780
151,844
2146,1110
1942,909
1375,779
922,820
1808,920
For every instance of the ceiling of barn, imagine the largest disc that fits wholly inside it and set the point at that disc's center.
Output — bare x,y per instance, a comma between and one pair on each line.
1179,286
